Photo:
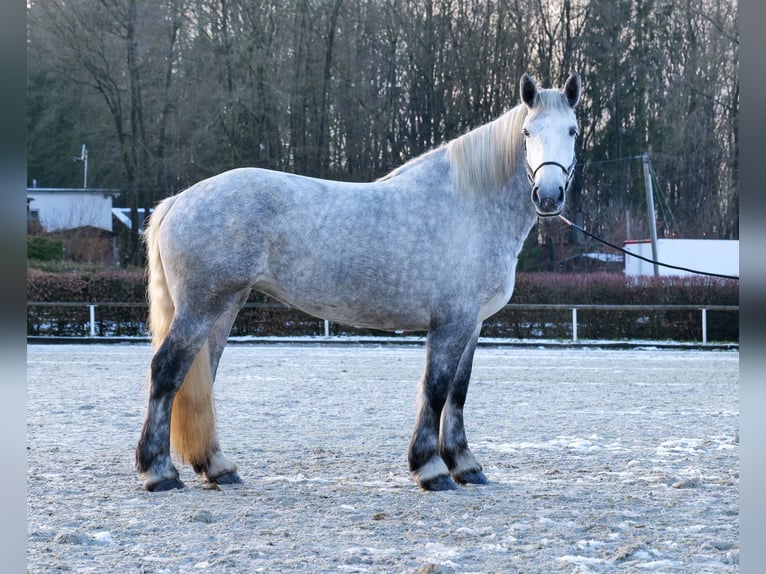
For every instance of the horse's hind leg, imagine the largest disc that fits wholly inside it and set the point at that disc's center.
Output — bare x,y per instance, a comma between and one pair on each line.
169,366
215,466
446,345
453,444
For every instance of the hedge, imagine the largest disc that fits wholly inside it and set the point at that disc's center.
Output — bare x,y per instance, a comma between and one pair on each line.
95,287
531,288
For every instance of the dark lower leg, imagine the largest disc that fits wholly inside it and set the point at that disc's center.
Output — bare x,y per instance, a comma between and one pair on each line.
453,448
153,461
446,346
427,466
453,444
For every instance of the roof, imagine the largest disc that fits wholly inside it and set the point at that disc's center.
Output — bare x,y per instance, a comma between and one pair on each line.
84,190
122,214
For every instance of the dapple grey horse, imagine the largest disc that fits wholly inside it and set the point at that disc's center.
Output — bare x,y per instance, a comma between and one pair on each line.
430,247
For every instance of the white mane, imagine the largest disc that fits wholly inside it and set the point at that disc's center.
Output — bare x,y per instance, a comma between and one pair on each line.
484,159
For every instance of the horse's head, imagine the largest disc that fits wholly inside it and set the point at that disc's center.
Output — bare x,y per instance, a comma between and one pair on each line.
549,131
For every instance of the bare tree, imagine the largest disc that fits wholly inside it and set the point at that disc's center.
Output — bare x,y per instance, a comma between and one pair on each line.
176,90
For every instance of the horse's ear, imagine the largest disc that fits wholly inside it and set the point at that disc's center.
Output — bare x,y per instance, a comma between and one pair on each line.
572,89
528,88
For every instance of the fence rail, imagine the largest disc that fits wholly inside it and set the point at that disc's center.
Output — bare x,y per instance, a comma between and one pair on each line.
36,321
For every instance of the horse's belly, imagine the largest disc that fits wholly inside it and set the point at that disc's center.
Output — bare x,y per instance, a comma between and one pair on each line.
368,312
375,319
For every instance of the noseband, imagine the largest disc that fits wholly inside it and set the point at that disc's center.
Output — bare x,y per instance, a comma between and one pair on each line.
569,172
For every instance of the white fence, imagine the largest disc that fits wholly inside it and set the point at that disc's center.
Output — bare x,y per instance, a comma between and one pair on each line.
702,309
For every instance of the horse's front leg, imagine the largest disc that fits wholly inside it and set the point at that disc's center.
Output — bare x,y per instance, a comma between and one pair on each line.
445,347
453,444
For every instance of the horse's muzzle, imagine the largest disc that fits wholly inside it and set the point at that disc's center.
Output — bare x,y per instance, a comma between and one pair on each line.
549,196
550,202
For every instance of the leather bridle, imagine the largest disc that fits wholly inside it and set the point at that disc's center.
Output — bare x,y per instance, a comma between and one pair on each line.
568,172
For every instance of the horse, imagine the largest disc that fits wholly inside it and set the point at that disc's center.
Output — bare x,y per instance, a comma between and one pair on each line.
432,246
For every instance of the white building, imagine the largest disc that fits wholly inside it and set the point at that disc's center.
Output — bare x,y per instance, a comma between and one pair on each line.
710,255
59,209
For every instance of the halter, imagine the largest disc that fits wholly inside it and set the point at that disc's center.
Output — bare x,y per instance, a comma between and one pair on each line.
569,172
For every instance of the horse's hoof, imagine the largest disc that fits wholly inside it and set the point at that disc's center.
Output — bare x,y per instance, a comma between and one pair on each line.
439,483
165,484
473,477
227,478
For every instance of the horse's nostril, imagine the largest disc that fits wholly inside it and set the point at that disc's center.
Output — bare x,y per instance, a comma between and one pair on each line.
536,194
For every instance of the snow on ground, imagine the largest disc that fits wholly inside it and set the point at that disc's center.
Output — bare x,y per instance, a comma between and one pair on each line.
599,461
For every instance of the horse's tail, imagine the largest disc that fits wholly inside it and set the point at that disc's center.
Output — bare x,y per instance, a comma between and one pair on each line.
192,422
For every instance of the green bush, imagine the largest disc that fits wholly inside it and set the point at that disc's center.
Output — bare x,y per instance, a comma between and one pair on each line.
44,248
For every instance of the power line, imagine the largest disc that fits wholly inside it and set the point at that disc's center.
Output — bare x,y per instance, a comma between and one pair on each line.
615,160
647,259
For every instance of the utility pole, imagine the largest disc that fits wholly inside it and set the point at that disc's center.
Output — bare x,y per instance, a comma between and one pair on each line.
650,209
83,158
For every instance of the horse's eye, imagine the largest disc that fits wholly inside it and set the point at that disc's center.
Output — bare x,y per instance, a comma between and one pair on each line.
525,132
572,131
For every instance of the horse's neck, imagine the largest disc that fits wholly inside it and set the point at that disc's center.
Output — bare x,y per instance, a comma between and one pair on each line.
507,212
511,208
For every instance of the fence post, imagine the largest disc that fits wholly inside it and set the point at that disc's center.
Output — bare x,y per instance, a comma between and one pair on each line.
574,323
326,328
704,326
92,320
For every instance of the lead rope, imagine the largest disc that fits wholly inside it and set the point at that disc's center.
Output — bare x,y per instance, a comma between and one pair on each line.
578,228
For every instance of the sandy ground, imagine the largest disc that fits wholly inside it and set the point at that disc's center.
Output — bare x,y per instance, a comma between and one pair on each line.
599,461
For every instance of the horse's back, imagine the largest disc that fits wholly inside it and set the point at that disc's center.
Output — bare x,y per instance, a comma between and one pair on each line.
318,245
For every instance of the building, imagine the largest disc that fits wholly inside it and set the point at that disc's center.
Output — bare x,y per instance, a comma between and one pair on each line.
82,218
709,255
60,209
